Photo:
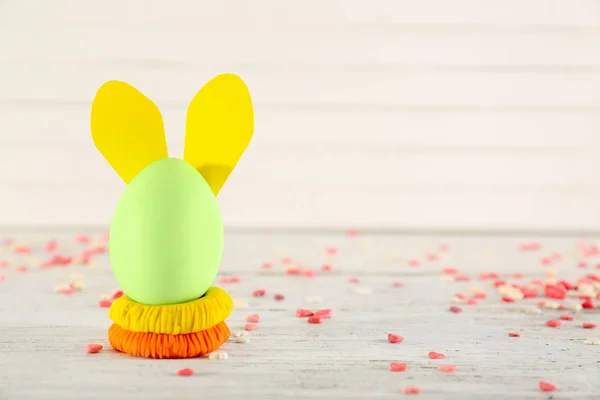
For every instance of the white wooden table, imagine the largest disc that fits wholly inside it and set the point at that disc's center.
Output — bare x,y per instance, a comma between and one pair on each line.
43,334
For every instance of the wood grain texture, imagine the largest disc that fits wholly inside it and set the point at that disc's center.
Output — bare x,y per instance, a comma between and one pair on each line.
383,113
43,334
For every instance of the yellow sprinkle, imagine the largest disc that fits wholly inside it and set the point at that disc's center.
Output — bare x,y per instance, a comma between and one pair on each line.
532,310
240,304
553,305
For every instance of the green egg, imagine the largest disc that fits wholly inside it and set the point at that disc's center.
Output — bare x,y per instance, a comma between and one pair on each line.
166,235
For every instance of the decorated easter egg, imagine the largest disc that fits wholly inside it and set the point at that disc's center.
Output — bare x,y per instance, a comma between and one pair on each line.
166,235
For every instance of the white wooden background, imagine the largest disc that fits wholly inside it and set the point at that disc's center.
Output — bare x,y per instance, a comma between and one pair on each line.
369,113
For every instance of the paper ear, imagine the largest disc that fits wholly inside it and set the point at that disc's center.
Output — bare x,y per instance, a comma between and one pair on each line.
127,129
219,126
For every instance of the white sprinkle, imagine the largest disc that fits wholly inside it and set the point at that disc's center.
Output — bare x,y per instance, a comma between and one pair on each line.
455,300
239,333
574,307
76,277
553,305
218,355
78,285
511,292
59,289
242,339
364,290
476,289
515,295
532,310
585,289
446,278
313,299
502,288
34,260
239,303
592,341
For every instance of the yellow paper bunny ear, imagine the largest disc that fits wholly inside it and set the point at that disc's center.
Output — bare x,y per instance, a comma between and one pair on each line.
127,129
219,126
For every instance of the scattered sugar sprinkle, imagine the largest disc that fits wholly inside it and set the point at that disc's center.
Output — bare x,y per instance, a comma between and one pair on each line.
436,356
574,307
93,348
22,268
303,312
326,313
553,305
239,333
392,338
78,285
411,390
397,367
104,303
364,290
242,339
254,318
218,355
240,304
447,368
185,372
313,299
547,387
553,323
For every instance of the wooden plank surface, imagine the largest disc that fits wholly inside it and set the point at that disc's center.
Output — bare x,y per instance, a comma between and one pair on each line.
43,334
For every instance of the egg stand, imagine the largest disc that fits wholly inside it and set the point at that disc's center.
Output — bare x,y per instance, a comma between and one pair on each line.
185,330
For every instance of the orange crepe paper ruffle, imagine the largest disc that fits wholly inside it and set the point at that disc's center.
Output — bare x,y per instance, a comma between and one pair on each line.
154,345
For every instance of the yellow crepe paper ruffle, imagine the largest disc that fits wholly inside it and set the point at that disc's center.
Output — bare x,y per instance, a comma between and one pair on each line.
153,345
173,319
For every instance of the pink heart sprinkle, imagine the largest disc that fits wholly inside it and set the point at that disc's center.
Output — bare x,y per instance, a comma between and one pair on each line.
395,338
436,356
398,367
547,387
447,368
253,318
